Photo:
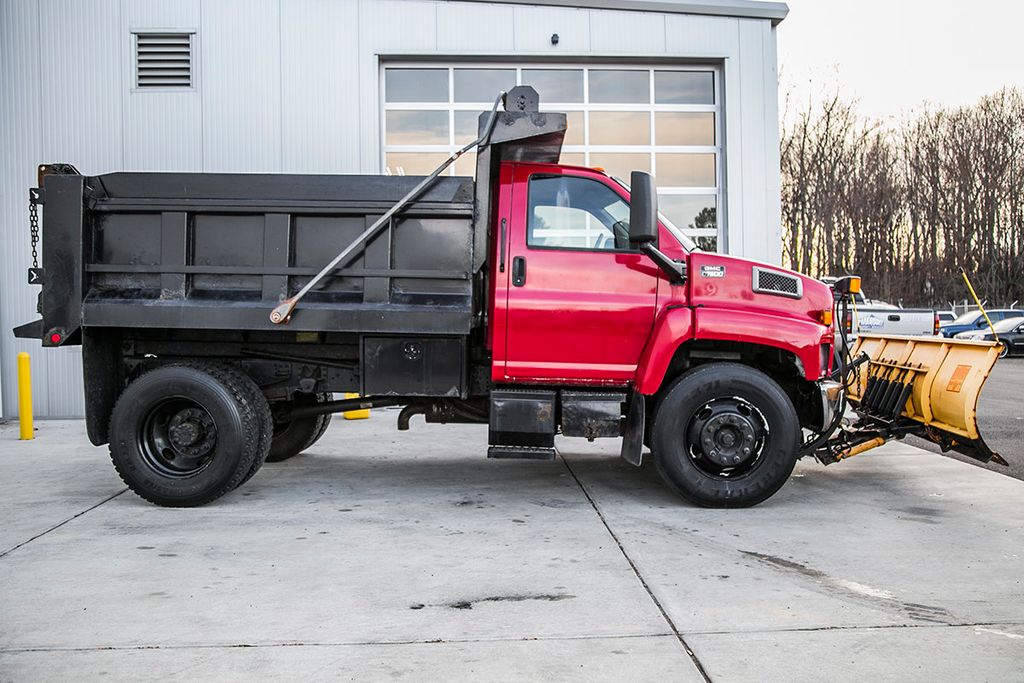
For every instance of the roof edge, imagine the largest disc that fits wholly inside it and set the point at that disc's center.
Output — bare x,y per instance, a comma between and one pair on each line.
746,9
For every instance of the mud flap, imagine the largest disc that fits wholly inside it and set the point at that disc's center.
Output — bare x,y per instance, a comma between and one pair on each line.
633,436
929,385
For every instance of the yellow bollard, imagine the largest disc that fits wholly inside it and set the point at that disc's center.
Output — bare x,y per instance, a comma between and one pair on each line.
361,414
25,397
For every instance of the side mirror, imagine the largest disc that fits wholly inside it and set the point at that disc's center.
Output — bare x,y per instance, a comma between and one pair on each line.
643,209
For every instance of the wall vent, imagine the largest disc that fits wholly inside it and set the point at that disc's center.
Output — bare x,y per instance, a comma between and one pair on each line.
780,284
163,60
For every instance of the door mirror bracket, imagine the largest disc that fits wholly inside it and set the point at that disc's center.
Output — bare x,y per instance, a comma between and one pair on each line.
643,225
676,270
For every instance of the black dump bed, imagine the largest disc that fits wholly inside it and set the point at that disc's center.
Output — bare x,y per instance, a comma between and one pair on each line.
189,251
218,251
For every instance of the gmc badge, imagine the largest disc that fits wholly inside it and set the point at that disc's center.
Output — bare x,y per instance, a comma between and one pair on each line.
712,271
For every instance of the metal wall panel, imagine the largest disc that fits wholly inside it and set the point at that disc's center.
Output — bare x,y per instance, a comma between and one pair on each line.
163,127
701,36
240,76
479,28
753,235
627,32
319,87
534,26
21,142
294,85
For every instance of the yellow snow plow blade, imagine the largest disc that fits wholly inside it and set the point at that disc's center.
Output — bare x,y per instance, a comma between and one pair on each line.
932,381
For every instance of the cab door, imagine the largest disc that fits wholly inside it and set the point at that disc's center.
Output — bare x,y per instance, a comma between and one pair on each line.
580,303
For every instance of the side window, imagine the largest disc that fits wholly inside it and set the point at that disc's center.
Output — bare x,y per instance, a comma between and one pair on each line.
570,212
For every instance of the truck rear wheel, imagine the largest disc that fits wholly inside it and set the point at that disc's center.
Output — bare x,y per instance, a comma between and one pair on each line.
291,437
182,436
725,435
264,417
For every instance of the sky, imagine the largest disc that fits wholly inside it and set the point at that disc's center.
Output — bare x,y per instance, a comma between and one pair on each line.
893,55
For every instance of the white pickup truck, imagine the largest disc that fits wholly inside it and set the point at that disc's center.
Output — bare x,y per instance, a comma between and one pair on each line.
877,317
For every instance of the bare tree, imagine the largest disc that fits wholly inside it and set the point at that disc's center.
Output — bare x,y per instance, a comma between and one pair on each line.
906,208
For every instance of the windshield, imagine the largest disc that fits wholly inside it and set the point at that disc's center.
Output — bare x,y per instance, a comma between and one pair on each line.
966,318
1007,324
684,239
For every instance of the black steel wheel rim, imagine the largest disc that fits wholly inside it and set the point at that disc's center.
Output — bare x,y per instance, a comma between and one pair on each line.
727,437
177,437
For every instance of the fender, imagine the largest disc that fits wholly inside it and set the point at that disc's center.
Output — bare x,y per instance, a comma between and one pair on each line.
802,338
673,327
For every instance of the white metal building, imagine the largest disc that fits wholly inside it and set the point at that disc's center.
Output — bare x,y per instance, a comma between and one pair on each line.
686,89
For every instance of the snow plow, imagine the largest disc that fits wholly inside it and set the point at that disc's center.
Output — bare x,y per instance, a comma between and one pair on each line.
925,386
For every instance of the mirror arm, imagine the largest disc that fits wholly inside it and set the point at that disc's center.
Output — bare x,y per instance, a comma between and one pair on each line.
675,270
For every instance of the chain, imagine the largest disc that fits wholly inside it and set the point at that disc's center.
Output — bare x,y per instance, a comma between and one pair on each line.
33,224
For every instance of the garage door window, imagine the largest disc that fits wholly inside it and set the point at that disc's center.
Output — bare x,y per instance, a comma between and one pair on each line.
665,120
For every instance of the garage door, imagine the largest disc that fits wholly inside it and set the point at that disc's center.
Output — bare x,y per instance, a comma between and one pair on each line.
661,119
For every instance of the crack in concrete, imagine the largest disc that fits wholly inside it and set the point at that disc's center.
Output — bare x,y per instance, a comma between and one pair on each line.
60,524
863,627
636,571
457,641
351,643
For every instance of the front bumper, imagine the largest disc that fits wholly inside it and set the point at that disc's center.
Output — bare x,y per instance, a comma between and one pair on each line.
831,394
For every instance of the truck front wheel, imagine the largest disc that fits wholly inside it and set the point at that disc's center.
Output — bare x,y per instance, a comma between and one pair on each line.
183,436
725,435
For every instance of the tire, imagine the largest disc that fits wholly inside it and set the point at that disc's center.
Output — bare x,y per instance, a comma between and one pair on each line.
1007,350
217,439
291,437
725,435
264,417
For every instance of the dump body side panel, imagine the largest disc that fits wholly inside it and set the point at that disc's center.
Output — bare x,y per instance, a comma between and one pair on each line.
210,251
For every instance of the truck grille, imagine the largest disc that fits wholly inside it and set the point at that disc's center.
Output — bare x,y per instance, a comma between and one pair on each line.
780,284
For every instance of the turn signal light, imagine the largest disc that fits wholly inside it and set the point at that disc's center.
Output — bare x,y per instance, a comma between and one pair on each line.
825,317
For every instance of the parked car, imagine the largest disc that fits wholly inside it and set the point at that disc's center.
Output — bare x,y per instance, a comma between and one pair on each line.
872,316
945,317
1010,331
974,320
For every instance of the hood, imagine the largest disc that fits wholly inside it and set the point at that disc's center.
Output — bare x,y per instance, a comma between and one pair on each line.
730,282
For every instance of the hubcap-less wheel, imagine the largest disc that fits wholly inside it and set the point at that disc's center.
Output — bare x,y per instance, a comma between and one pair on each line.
177,438
184,435
726,437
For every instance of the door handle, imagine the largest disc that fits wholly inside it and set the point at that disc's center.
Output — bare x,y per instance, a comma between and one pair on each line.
893,318
501,266
519,271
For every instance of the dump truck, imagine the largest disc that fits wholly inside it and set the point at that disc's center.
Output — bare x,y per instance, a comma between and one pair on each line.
220,314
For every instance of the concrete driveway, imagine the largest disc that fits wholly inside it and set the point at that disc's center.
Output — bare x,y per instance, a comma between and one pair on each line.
387,555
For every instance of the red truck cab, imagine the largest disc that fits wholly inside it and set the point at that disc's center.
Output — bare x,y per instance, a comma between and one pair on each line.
732,354
574,303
